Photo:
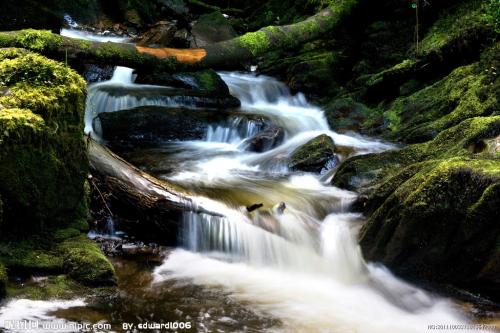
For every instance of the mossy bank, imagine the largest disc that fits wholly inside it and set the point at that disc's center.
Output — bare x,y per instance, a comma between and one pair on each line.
43,171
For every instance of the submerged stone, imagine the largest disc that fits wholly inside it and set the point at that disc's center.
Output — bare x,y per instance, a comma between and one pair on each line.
269,138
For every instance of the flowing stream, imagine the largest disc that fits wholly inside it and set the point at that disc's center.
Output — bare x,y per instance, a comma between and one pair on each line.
294,270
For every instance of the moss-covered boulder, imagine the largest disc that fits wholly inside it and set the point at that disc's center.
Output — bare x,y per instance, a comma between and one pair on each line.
317,155
433,205
43,170
84,262
43,162
441,224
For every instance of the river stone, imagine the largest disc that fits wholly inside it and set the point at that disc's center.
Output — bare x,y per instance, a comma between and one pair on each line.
160,34
152,124
211,28
317,155
173,96
206,82
267,139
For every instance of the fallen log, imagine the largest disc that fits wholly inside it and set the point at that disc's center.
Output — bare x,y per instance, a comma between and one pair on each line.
227,54
147,207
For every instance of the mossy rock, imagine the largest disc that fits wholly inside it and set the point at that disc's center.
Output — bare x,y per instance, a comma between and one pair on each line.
362,173
43,162
317,155
51,287
440,224
468,91
347,114
456,27
212,28
431,203
84,262
36,255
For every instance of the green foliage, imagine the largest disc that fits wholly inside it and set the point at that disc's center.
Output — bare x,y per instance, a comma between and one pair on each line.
492,14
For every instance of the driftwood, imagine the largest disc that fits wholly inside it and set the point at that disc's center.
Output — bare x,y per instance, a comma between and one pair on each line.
147,207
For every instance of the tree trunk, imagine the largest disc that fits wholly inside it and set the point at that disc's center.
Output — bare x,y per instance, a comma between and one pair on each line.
227,54
147,207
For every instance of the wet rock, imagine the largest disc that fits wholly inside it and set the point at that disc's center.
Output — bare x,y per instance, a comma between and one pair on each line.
153,124
267,139
160,34
93,73
317,155
439,225
211,28
182,39
167,96
200,83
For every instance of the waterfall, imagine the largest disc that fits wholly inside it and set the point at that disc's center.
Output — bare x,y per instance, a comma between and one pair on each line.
234,131
265,95
303,265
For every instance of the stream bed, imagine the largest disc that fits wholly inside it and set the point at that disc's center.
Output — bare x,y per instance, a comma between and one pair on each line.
292,266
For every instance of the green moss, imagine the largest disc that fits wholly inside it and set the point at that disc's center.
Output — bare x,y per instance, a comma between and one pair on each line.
314,155
453,25
85,262
43,163
255,42
62,234
33,256
365,173
425,225
58,287
464,93
38,40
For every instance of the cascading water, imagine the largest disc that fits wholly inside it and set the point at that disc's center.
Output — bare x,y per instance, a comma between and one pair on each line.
301,265
74,31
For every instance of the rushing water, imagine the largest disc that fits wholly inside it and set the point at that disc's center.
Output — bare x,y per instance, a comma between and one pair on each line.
297,270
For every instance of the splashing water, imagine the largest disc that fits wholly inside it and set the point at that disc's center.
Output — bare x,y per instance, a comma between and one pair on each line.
37,314
303,265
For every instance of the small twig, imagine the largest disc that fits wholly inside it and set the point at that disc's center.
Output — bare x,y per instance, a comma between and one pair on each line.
102,197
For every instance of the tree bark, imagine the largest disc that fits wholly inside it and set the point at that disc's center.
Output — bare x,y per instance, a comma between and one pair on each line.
147,207
227,54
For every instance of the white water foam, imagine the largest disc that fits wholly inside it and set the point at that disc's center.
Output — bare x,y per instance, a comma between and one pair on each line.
37,312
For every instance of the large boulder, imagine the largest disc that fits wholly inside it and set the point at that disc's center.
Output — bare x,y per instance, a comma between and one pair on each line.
152,124
111,98
317,155
160,34
43,169
211,28
43,160
433,206
441,224
203,88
